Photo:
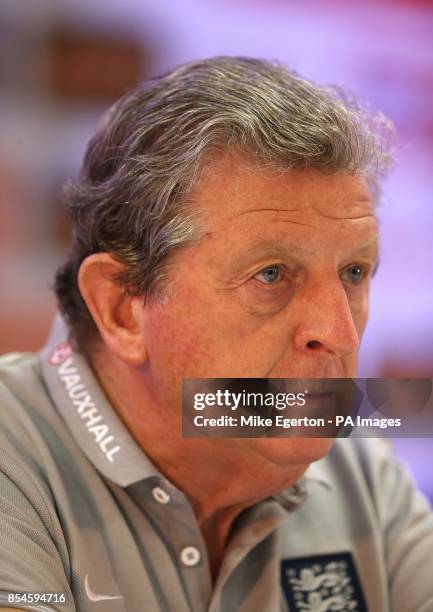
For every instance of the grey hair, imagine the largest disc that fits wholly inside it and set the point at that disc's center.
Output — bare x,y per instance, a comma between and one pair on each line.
131,198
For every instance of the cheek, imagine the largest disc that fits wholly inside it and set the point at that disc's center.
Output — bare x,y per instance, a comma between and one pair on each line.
179,341
359,311
207,338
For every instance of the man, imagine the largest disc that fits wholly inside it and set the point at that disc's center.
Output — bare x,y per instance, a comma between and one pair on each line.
224,226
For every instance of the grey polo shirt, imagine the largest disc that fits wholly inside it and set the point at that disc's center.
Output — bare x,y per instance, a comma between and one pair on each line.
84,512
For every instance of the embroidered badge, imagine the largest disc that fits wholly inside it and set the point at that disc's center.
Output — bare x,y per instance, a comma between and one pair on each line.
322,583
60,353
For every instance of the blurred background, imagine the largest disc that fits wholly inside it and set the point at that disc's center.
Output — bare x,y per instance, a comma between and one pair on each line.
62,62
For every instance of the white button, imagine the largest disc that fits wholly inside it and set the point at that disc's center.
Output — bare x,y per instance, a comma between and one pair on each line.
160,495
190,556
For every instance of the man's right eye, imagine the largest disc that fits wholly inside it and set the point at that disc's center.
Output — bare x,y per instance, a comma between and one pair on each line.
269,275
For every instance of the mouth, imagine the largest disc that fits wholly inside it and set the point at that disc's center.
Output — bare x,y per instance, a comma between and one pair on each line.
321,403
323,395
317,405
313,387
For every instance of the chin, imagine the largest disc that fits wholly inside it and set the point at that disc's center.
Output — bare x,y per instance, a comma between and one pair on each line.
292,451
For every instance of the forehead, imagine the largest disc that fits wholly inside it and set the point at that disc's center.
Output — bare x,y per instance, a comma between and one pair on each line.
232,187
245,204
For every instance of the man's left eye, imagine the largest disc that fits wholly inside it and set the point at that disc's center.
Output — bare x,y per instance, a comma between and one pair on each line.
269,275
355,274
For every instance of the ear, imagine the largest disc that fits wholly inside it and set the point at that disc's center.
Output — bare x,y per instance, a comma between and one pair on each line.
118,316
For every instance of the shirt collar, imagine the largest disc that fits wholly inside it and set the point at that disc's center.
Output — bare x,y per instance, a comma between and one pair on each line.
316,473
99,431
295,495
90,417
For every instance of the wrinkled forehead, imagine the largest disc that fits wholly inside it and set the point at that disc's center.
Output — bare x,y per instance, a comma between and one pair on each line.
244,204
234,188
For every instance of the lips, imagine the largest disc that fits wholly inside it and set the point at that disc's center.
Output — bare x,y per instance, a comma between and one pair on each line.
320,405
313,386
316,405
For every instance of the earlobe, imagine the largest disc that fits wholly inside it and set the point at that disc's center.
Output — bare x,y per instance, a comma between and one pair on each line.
117,315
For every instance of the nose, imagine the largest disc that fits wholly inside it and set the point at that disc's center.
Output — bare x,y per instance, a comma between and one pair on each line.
326,325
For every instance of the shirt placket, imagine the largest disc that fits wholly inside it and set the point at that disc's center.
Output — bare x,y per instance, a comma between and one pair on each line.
175,520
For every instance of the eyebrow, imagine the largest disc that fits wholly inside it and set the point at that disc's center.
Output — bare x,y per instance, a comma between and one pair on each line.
372,242
270,249
267,249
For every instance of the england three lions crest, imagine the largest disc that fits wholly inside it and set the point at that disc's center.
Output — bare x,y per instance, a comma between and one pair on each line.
322,583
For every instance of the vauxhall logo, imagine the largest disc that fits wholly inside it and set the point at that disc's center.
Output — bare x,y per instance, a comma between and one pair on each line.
86,408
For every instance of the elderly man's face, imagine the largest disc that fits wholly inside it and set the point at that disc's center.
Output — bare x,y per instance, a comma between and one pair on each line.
277,287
